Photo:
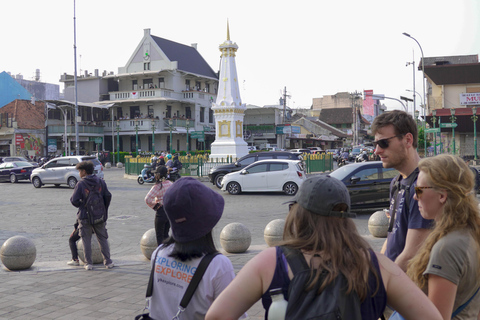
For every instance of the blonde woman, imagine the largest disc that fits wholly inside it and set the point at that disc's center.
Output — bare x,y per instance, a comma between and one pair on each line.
447,266
318,225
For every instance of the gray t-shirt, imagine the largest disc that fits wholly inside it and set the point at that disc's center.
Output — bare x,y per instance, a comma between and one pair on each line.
454,257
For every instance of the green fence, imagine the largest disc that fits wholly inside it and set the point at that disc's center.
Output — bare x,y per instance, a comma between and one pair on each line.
200,166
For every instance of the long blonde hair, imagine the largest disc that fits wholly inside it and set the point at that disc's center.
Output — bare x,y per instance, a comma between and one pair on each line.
450,173
336,240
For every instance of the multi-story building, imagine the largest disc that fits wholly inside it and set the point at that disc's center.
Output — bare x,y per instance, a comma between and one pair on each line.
453,98
165,90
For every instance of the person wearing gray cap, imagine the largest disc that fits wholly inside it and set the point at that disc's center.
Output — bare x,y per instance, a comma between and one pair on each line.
318,227
193,211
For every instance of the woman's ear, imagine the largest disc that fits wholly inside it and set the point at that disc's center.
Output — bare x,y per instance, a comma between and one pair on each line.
443,196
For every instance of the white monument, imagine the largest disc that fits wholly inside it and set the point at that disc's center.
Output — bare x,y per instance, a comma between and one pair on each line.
228,109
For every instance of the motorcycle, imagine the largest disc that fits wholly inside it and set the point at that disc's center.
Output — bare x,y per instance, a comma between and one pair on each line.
146,175
174,176
361,158
341,162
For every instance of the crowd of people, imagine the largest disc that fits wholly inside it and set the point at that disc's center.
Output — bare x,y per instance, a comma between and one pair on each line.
428,268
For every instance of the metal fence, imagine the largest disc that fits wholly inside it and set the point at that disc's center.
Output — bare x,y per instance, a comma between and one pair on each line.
200,166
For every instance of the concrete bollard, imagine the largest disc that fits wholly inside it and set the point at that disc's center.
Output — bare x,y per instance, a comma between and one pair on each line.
18,253
273,232
108,165
148,243
235,238
96,253
378,224
119,165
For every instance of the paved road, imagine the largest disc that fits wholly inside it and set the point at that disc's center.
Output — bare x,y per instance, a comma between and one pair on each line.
53,290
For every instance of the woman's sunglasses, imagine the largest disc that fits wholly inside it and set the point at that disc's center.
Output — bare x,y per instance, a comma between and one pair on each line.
383,143
419,191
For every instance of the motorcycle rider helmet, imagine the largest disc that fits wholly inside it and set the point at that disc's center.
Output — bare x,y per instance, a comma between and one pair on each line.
169,156
161,157
154,159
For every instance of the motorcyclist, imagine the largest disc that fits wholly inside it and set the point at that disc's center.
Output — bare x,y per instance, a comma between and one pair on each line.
154,166
161,161
172,166
364,156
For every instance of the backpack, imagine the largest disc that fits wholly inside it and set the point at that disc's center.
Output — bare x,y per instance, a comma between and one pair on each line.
95,205
331,304
177,164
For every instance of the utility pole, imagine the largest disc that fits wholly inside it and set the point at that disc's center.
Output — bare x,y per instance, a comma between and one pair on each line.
285,96
354,96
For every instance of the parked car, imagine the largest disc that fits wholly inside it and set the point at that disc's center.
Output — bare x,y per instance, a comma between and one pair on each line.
368,184
354,153
15,158
300,150
16,170
266,175
314,149
217,173
62,171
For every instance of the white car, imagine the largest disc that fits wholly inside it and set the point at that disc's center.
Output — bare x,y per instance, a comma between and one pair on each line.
266,175
62,171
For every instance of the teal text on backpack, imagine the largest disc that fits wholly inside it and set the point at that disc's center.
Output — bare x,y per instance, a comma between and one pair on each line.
95,205
333,303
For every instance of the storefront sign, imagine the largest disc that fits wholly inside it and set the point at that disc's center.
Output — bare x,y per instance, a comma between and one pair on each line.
19,139
470,99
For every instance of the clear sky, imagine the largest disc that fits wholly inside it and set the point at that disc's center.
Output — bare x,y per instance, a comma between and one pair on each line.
313,48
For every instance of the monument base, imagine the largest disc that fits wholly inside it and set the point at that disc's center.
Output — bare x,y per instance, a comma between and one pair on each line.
223,150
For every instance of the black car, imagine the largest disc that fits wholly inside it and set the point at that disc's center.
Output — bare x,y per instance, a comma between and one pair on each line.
217,173
16,170
18,158
368,184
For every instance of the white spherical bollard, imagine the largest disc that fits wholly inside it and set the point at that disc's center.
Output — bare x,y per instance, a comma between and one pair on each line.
108,165
18,253
273,232
235,238
96,252
119,165
378,224
148,243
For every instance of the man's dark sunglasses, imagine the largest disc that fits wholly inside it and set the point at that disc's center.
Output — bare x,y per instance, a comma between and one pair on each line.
383,143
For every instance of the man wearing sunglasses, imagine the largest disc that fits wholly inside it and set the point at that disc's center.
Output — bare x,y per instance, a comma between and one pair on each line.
396,144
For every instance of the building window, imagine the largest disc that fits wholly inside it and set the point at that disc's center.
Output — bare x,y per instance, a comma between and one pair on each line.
207,87
169,112
146,66
198,85
178,145
202,114
161,83
168,142
210,115
134,85
147,83
150,111
188,112
187,84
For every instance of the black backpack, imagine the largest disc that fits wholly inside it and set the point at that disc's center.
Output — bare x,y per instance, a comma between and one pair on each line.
331,304
177,164
95,205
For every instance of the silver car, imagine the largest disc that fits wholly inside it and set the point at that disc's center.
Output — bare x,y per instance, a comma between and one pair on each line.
62,171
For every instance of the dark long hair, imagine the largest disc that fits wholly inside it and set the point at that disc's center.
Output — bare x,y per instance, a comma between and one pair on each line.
337,242
161,175
185,251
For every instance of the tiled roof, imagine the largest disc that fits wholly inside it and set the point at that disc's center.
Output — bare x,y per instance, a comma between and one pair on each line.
188,58
336,116
27,115
433,61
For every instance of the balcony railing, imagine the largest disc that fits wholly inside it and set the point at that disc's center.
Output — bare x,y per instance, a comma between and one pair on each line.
162,93
129,125
178,123
97,129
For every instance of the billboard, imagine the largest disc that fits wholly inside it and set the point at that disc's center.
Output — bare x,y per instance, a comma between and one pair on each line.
470,99
368,108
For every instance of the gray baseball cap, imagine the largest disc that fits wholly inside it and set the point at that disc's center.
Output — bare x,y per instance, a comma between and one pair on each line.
321,193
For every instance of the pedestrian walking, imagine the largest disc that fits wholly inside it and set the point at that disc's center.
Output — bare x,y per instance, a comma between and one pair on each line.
319,232
154,199
396,143
88,187
447,266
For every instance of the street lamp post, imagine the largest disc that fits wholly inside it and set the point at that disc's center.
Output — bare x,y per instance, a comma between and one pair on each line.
118,141
153,137
434,119
170,124
474,119
136,137
424,97
187,123
453,118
